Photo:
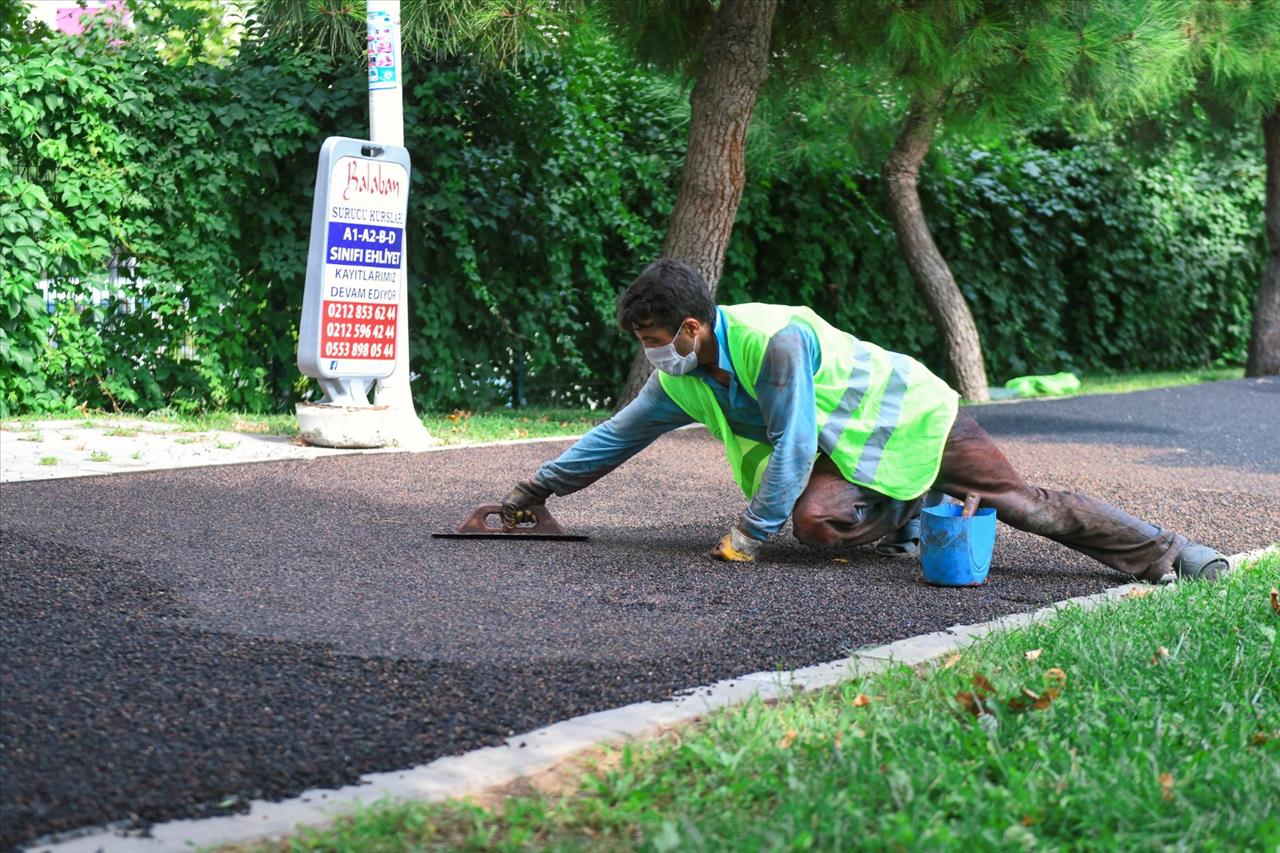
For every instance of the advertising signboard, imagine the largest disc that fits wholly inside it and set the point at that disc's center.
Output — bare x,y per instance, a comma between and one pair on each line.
356,262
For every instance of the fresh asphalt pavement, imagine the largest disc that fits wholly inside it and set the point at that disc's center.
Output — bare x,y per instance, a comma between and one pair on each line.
176,643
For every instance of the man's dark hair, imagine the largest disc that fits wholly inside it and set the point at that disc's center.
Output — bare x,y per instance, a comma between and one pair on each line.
664,294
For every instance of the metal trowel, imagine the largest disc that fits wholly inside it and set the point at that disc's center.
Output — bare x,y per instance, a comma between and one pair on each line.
477,526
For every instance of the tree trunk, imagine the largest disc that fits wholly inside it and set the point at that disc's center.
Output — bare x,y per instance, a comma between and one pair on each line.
929,269
1264,342
715,161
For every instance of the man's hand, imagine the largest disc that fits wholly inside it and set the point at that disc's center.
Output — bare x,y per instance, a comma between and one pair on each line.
515,506
736,547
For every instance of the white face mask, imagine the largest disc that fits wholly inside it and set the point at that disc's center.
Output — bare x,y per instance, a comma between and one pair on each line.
666,359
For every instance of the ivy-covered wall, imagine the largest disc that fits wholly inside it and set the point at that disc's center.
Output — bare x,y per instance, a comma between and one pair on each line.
537,196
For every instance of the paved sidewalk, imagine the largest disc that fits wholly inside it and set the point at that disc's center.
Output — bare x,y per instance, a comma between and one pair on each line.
176,643
52,449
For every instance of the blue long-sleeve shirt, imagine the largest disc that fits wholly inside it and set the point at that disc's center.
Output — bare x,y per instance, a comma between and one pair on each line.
783,415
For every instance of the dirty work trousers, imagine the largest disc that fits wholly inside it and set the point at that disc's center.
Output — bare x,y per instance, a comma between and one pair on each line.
834,511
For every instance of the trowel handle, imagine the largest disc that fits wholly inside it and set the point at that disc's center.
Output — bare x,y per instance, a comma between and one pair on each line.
538,511
971,501
478,522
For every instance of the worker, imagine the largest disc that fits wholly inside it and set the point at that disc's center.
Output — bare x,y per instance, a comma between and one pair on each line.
847,439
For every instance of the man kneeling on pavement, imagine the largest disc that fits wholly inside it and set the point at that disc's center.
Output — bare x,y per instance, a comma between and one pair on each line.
846,438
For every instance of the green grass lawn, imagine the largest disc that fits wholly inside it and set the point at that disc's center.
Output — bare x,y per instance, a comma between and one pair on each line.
460,427
122,424
506,424
464,427
1114,383
1153,723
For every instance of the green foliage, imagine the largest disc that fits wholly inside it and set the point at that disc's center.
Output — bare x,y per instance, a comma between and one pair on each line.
107,152
1237,53
672,34
541,194
538,194
190,30
526,219
492,32
18,28
987,67
1070,257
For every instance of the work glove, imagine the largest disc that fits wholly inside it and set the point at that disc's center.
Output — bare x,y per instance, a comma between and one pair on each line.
736,547
515,506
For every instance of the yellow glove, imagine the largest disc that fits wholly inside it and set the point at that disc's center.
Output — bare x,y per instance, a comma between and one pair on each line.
736,547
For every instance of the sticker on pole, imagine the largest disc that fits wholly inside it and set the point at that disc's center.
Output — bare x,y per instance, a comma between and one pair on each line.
384,52
356,261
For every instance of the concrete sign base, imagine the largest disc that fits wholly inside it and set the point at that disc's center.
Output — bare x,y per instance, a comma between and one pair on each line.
327,425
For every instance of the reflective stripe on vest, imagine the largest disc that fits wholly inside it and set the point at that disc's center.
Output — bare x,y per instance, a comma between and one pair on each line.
886,418
853,395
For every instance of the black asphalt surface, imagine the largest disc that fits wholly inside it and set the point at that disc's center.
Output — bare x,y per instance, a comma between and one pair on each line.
176,643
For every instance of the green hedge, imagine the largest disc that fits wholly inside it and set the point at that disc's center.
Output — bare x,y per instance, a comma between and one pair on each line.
1071,256
537,195
183,171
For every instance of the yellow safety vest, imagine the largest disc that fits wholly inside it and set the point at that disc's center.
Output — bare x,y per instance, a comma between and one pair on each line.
881,416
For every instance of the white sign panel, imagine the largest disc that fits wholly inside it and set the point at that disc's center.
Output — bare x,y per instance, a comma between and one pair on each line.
356,260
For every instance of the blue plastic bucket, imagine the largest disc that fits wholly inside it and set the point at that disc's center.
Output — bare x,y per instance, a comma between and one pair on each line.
956,551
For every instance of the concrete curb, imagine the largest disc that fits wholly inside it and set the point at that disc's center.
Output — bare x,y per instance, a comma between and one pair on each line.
531,752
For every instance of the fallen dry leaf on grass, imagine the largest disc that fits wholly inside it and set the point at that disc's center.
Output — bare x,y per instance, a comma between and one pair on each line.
978,701
1275,599
1161,653
787,739
861,699
1166,786
1034,654
975,702
1033,700
1018,704
971,702
1046,699
1138,592
951,661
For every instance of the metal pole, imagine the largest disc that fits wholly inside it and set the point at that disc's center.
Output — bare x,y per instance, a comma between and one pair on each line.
386,124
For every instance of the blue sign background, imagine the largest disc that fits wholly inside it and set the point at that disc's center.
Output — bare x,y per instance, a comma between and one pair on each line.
367,238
